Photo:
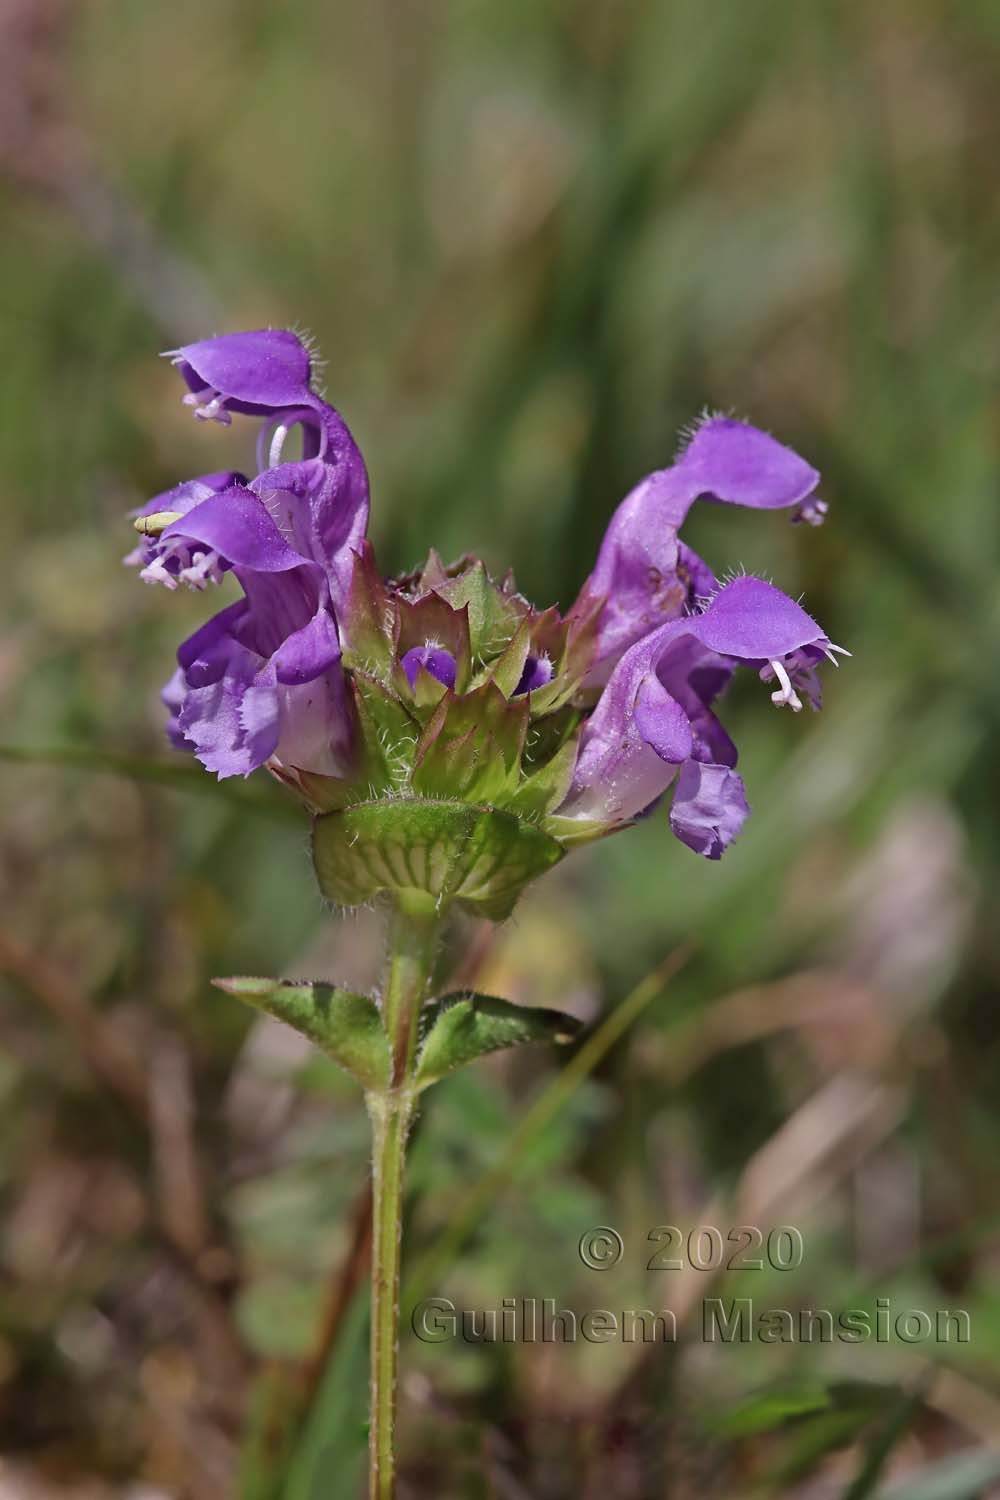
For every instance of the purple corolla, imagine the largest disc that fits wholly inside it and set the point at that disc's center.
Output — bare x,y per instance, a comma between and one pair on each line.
263,678
653,721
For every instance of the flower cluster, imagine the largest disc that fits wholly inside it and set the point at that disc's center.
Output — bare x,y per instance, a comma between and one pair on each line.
446,686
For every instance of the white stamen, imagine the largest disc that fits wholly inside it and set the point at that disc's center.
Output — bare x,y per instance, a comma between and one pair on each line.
786,696
202,571
277,443
811,511
155,572
213,410
841,650
195,568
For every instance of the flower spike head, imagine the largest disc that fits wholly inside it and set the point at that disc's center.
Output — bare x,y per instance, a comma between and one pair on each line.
643,574
451,740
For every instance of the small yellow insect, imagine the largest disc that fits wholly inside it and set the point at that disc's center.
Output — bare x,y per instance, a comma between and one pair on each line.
157,523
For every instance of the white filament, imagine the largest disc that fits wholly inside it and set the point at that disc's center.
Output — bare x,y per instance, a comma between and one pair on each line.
786,696
277,443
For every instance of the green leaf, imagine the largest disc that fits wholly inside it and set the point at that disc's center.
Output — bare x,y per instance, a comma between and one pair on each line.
766,1410
346,1026
465,1026
326,1456
905,1410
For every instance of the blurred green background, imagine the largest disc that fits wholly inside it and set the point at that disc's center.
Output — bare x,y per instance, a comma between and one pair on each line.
532,241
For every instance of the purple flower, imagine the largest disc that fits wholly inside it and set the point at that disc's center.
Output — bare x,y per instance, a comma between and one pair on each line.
263,678
653,722
448,686
644,574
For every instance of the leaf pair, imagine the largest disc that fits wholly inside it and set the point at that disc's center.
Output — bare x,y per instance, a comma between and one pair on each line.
457,1029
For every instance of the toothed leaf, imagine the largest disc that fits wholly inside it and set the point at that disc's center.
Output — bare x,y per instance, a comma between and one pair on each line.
346,1026
467,1026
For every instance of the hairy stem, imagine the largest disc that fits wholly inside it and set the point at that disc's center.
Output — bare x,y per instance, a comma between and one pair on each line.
413,936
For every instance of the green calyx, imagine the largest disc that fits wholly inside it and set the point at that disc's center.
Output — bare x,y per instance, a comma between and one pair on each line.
456,787
429,853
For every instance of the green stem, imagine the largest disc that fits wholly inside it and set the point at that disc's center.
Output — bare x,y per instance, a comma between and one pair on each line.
413,936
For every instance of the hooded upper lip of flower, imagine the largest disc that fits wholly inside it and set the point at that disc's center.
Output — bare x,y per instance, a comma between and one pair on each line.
644,574
657,639
257,373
